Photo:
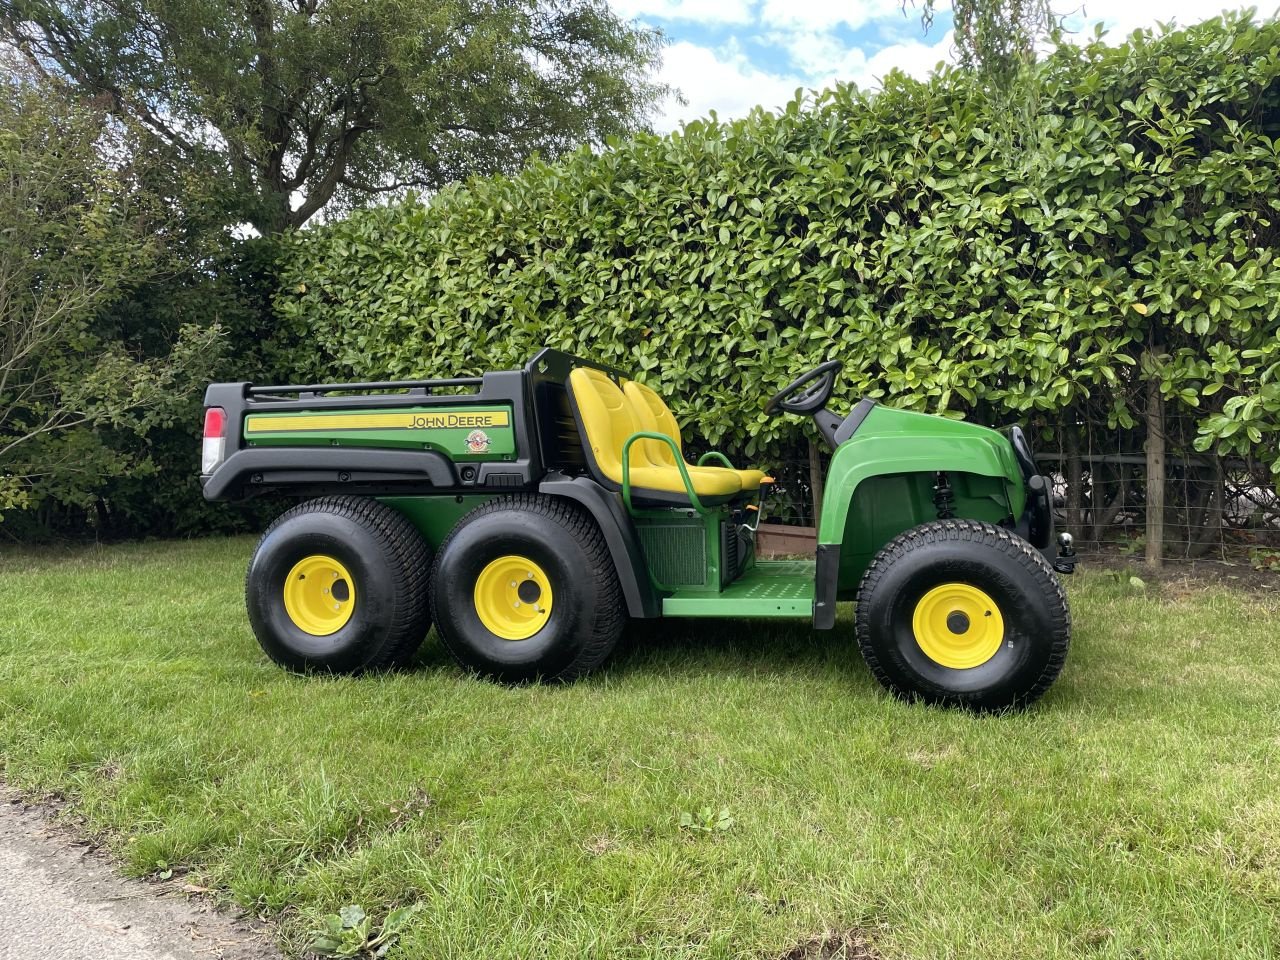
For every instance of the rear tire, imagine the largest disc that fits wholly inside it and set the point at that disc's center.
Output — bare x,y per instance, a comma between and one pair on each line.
364,606
963,613
524,588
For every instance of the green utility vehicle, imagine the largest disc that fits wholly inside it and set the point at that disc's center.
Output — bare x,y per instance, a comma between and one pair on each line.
529,513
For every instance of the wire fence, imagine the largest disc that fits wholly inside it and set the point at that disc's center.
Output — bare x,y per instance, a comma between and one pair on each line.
1213,507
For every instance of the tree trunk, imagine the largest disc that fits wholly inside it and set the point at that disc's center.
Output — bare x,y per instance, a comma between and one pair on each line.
1103,517
1209,534
815,481
1155,470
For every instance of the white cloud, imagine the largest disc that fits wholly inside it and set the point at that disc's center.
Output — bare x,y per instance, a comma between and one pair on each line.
724,81
818,52
698,11
822,59
826,14
913,58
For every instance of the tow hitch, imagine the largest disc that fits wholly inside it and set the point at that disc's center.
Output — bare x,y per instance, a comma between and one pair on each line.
1065,561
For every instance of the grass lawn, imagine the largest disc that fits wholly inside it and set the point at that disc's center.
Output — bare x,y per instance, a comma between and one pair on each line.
1134,813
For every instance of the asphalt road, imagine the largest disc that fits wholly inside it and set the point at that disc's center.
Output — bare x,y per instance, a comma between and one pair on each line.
61,901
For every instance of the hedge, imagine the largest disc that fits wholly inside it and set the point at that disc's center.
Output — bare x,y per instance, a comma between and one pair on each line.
1125,233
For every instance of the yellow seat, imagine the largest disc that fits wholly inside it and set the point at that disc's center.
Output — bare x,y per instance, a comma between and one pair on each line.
655,416
606,420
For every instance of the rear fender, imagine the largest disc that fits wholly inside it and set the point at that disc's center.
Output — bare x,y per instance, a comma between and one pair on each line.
619,534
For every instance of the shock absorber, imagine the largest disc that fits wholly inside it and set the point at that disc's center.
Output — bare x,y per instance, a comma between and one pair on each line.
943,497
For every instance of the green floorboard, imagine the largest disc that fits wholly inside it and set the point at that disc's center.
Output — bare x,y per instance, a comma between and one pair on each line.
772,588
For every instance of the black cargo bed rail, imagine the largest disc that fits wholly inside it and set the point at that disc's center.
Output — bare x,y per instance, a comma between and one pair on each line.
423,387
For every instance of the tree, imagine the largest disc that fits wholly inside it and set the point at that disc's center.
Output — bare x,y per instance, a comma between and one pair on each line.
998,37
78,233
294,104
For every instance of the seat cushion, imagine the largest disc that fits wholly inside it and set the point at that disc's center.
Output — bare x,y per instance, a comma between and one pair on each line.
606,419
707,481
653,414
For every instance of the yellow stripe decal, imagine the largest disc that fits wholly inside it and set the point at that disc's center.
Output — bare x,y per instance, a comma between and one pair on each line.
423,420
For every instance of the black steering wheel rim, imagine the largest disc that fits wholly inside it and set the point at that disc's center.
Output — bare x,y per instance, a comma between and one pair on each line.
823,378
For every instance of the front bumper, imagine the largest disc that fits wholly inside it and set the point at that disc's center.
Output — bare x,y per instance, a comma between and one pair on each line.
1036,523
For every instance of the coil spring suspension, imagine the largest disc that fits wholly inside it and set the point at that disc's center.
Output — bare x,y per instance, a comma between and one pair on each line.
944,497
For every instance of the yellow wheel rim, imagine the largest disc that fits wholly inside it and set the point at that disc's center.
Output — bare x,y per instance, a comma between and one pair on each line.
513,598
958,626
319,595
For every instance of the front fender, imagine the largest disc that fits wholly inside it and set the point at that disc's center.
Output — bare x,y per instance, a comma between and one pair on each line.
881,482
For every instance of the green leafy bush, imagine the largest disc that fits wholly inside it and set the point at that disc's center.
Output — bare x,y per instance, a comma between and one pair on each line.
1131,236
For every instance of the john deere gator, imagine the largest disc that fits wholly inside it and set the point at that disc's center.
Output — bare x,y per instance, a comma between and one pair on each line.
528,514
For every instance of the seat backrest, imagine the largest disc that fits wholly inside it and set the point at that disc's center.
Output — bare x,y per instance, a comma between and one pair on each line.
654,415
606,419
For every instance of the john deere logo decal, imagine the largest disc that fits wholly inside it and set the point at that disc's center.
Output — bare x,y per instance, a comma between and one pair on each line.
386,420
437,421
477,441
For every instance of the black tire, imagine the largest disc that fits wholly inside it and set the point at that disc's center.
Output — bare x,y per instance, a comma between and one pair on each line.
1027,593
587,612
388,562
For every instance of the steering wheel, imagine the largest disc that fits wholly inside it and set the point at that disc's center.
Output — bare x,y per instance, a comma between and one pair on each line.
807,392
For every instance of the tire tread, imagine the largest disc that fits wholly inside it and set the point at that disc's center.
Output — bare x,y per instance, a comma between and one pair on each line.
611,615
972,531
411,569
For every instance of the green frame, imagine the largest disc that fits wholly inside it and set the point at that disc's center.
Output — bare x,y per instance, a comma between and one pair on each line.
680,465
717,455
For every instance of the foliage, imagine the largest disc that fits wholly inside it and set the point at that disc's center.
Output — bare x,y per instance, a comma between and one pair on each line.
706,820
80,231
1135,240
292,103
1263,559
350,932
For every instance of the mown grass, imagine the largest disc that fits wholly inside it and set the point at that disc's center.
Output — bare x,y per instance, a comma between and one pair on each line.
1134,813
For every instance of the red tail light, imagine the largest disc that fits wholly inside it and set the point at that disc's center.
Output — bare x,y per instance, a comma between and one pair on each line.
215,444
215,418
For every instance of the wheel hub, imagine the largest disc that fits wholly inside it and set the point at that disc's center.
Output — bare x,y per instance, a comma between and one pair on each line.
513,597
957,625
319,595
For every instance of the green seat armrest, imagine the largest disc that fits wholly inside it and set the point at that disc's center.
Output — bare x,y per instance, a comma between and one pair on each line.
684,472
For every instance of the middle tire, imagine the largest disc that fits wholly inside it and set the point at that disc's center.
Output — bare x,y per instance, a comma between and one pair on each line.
524,588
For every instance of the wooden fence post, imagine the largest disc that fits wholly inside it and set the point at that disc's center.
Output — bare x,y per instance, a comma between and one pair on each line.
1155,480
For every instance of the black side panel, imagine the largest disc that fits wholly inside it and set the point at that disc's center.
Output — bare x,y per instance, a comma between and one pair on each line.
1036,523
825,586
258,469
619,534
558,437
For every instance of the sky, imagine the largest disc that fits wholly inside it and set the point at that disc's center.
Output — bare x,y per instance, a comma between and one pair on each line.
730,55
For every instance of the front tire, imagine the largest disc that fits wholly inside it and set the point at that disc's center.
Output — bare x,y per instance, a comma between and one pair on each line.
524,588
339,584
963,613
